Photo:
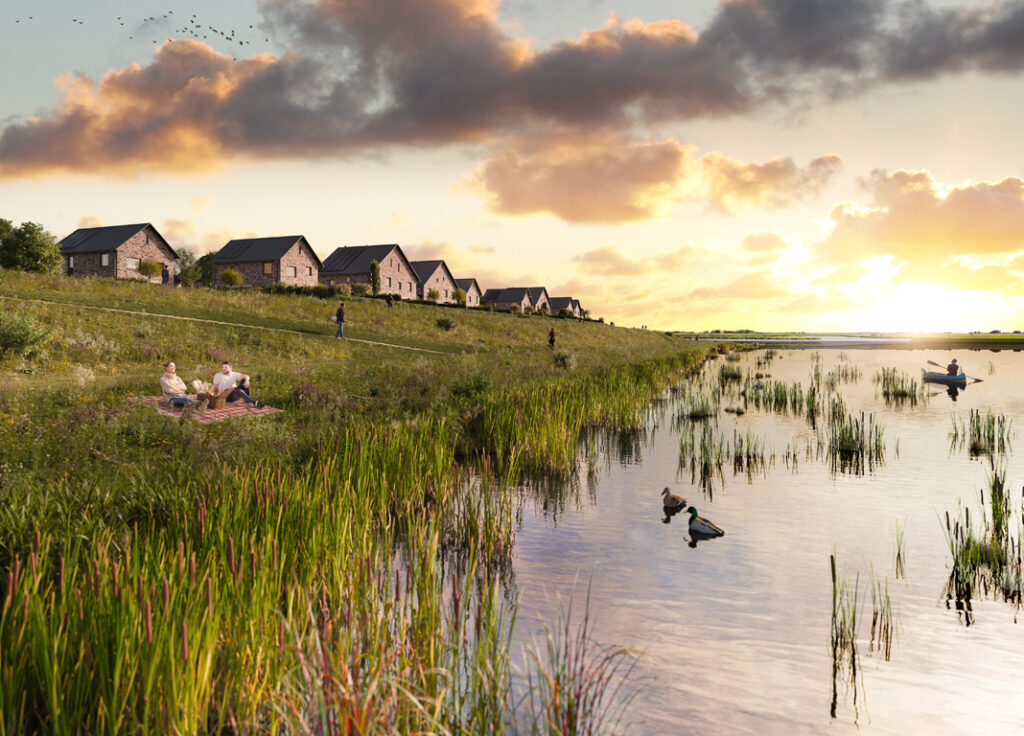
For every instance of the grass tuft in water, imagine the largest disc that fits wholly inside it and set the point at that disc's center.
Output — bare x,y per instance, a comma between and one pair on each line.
883,623
986,560
898,389
843,634
573,684
984,434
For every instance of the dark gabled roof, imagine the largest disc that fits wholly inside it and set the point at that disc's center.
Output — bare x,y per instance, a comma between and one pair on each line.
103,239
576,304
560,302
248,250
506,295
535,293
356,258
425,269
467,284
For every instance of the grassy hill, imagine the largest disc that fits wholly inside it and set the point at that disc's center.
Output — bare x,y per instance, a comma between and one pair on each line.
347,560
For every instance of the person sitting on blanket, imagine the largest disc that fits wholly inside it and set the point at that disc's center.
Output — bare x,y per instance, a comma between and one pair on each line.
173,388
227,380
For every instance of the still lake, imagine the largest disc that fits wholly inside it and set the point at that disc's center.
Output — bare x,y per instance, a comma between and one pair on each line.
734,633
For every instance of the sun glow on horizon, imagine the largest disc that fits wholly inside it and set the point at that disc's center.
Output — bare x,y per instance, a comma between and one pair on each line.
926,307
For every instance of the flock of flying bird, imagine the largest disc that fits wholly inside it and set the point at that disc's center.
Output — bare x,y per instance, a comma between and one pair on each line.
700,528
190,28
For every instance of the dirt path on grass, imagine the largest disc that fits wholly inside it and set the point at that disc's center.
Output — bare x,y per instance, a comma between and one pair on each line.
218,322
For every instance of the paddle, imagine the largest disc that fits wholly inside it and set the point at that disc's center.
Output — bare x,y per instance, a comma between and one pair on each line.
937,365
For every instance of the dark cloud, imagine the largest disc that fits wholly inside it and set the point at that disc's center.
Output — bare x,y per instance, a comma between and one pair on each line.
367,74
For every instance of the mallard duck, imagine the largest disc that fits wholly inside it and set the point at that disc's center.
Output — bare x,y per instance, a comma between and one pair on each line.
671,501
701,527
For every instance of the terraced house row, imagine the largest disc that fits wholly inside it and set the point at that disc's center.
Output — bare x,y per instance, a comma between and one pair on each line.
117,251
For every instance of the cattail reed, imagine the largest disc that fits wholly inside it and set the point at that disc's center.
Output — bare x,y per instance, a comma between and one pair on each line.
231,555
184,643
167,597
60,576
192,570
149,622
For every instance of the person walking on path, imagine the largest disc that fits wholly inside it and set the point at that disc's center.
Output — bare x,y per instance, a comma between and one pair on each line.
340,316
551,339
165,275
389,301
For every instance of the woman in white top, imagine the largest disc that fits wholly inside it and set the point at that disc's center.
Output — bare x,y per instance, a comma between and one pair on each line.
227,380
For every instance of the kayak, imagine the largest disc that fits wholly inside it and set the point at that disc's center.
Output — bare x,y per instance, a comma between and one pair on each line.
957,380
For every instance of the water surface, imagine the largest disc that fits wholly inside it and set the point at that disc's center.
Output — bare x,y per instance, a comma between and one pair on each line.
734,632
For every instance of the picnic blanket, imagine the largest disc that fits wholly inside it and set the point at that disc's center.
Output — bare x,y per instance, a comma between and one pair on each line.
235,409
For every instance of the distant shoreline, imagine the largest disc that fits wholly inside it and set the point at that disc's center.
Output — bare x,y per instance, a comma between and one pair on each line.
917,342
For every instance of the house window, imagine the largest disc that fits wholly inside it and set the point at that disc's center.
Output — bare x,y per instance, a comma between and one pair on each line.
446,293
105,259
132,264
71,261
268,268
331,282
309,270
389,282
291,271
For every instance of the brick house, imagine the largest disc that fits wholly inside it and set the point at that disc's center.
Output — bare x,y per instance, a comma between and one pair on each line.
267,261
472,289
558,303
115,251
540,299
351,265
506,299
435,275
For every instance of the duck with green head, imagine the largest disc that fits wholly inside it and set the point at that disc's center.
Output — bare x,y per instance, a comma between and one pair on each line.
702,528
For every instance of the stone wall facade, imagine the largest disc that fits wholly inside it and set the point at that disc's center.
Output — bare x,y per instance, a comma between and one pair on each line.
542,305
473,297
123,262
396,277
442,283
297,267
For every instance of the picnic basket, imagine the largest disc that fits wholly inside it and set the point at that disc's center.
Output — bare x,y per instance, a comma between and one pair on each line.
217,400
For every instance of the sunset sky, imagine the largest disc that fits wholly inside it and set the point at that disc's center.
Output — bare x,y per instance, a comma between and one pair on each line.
767,164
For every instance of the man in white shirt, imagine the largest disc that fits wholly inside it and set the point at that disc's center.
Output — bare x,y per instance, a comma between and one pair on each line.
227,380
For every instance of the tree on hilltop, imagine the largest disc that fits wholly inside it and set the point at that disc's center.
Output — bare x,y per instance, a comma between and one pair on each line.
28,247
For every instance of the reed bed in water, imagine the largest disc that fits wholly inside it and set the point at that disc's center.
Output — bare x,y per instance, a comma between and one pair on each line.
842,373
854,443
898,388
986,560
984,434
728,374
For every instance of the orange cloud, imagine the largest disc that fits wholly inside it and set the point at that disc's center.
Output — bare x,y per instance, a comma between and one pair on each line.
913,218
609,261
597,180
753,285
90,221
168,116
734,185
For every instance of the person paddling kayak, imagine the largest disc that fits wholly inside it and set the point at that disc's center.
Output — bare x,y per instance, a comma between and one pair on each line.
953,369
